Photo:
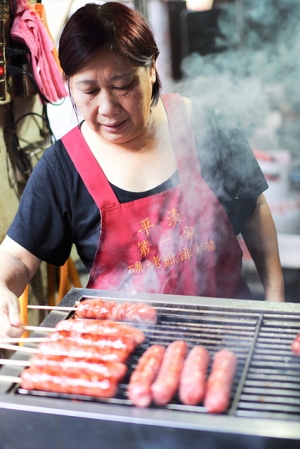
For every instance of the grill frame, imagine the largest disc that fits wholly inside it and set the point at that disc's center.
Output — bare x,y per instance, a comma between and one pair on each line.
85,422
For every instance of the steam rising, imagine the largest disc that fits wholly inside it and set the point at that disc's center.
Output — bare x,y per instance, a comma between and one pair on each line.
253,71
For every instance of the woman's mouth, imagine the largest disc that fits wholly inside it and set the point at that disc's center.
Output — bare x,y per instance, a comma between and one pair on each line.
114,127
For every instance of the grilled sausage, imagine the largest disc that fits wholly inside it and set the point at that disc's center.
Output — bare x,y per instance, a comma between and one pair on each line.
115,370
101,341
220,381
97,308
296,345
139,387
167,381
73,349
193,377
62,380
101,327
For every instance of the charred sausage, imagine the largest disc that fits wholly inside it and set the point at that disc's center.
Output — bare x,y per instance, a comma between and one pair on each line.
167,381
139,387
193,377
97,308
220,381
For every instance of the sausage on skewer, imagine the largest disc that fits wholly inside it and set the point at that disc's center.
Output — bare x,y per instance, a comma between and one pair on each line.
61,380
72,349
97,308
101,341
101,327
115,370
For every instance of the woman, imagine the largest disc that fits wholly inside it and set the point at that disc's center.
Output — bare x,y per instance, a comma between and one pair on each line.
129,177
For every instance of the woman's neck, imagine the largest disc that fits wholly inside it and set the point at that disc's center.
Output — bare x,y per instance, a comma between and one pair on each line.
139,166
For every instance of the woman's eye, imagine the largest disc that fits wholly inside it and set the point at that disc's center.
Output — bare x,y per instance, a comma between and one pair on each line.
121,87
90,92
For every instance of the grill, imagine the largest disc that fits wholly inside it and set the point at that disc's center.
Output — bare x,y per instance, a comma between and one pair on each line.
265,403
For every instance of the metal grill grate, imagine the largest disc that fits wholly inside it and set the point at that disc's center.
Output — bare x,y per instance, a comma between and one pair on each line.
272,387
267,381
264,409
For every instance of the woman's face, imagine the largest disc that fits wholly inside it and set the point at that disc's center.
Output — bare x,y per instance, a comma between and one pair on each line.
114,97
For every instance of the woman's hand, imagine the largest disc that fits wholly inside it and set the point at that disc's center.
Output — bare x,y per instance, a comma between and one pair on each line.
10,323
17,266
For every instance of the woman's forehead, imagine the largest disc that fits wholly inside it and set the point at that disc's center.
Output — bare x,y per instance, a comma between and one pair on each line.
105,57
112,66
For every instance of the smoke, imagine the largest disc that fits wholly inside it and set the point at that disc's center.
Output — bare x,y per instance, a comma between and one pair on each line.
252,69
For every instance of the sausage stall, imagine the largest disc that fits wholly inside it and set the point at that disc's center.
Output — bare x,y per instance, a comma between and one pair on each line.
264,409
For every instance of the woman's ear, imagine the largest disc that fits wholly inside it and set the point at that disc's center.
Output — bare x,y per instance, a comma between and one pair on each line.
153,72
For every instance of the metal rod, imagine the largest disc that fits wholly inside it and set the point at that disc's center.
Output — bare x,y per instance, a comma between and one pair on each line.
245,370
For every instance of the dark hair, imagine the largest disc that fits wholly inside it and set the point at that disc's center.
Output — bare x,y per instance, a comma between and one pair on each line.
114,25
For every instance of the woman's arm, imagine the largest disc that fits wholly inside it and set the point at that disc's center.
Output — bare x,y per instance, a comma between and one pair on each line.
260,237
17,266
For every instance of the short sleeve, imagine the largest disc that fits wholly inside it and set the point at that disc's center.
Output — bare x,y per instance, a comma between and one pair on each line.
229,166
42,222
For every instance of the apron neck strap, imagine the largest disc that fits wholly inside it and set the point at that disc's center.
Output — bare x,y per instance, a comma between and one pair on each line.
182,137
88,168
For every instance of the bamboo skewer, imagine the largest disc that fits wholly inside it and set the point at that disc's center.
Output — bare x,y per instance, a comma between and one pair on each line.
11,379
19,348
14,362
62,308
22,340
40,328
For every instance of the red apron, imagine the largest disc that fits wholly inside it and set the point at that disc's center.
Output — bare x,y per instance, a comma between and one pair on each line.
179,241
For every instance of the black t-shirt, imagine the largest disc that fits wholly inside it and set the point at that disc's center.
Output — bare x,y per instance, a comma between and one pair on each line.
56,210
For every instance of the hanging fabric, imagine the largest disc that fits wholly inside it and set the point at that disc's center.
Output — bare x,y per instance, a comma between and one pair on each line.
29,27
39,9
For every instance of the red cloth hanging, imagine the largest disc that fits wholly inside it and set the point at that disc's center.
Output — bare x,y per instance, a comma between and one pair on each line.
29,29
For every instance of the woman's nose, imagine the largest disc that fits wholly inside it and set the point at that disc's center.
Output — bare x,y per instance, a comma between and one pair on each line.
108,103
